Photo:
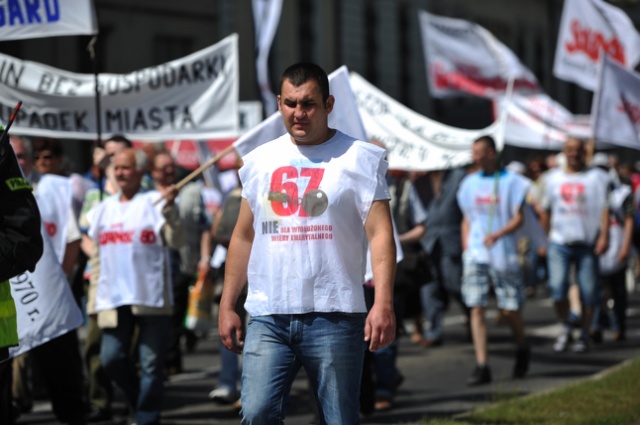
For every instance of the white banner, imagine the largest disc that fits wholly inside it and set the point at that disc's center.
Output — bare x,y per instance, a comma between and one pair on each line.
20,19
44,302
539,122
588,28
464,58
414,142
194,97
266,16
344,117
616,106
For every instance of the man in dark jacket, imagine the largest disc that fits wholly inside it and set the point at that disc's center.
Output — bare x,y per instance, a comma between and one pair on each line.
20,250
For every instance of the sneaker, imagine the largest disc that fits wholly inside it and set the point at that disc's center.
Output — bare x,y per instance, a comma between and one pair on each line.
481,375
521,366
580,346
223,395
562,342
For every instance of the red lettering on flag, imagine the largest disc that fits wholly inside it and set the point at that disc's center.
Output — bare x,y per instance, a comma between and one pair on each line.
630,109
590,42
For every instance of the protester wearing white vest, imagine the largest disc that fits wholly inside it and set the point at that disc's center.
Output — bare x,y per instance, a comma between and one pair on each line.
492,202
312,199
576,217
134,281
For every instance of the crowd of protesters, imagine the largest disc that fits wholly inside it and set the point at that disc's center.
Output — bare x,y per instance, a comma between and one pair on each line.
467,234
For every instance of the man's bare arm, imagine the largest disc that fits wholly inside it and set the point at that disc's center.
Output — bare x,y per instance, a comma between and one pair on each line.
380,327
235,277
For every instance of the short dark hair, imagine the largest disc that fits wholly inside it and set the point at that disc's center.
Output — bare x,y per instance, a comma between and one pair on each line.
487,140
300,73
48,144
119,138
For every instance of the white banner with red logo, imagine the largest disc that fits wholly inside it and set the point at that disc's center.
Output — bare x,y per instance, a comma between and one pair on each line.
344,117
539,122
45,305
414,142
587,29
194,97
20,19
266,16
464,58
616,106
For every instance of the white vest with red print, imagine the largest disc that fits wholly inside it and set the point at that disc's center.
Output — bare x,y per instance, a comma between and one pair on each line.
133,259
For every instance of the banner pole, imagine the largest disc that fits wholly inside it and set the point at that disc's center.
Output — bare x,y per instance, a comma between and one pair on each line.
195,173
92,54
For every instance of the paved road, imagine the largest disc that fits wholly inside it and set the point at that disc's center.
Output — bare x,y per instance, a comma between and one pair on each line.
434,384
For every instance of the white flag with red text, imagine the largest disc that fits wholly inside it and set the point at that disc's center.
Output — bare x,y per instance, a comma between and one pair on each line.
464,58
539,122
587,29
616,106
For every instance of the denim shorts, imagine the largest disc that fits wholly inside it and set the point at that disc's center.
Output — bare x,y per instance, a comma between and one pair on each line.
476,281
559,260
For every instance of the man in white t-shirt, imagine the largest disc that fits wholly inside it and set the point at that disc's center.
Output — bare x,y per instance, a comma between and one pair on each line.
134,286
492,202
574,214
312,200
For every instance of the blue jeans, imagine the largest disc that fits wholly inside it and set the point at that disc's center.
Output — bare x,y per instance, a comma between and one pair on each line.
330,347
144,393
230,369
559,258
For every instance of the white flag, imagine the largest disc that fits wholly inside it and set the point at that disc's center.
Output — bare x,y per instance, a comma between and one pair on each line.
539,122
344,117
587,29
464,58
20,19
45,305
616,106
194,97
414,142
266,16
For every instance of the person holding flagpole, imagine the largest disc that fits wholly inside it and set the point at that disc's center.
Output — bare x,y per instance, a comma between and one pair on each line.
312,201
134,283
492,203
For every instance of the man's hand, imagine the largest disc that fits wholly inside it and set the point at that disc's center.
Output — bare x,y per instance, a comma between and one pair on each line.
380,327
491,239
230,328
602,243
100,158
170,194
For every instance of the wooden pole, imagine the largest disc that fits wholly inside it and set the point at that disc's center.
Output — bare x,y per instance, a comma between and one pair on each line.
195,173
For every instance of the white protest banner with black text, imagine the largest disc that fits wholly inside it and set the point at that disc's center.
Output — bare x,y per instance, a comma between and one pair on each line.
193,97
21,19
45,305
414,142
589,28
464,58
616,106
